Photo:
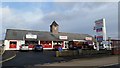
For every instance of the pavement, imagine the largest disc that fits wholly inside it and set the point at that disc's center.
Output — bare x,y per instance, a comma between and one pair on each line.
103,61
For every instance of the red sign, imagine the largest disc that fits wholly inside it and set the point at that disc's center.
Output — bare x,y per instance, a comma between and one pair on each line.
99,30
99,36
46,44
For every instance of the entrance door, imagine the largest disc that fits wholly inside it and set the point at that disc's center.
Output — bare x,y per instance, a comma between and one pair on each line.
31,43
66,44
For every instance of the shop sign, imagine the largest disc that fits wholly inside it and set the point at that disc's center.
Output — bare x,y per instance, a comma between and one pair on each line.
31,36
88,38
100,30
99,38
63,37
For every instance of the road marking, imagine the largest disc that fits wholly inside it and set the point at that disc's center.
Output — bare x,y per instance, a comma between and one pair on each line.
111,64
8,59
2,52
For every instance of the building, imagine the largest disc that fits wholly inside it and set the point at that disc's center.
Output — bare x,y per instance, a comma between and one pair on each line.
115,46
1,42
15,37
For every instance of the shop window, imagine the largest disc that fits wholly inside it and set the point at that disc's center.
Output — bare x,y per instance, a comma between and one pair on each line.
13,44
46,44
57,43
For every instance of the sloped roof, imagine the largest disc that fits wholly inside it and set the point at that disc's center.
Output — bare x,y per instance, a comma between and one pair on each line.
54,23
72,36
15,34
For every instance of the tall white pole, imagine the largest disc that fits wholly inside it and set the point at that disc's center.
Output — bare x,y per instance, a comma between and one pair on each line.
104,30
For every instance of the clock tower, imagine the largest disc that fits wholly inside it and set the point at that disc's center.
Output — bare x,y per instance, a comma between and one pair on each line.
54,27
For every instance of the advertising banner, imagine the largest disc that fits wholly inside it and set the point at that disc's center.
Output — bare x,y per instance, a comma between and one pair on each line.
63,37
31,36
100,29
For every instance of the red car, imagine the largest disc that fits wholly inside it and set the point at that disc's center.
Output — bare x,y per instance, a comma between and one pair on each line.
31,46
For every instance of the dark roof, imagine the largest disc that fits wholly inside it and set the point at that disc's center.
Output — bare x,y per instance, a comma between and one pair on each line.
15,34
54,23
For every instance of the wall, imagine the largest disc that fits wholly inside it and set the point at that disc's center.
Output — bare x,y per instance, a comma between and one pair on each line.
7,44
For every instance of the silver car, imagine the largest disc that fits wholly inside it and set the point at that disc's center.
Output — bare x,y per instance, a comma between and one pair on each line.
24,47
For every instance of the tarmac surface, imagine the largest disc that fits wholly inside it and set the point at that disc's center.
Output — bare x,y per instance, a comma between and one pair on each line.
103,61
31,59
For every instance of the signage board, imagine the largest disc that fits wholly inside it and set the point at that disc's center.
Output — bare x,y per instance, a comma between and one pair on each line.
99,38
31,36
63,37
88,38
100,30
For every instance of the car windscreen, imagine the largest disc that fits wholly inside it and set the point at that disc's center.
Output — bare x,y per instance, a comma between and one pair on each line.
38,45
24,45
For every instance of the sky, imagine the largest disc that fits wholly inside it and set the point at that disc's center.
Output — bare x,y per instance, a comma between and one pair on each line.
72,17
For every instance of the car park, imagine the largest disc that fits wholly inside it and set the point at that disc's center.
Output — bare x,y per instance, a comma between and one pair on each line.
38,47
24,47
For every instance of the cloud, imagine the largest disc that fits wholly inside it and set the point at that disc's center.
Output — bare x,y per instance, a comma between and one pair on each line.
20,19
80,17
72,17
60,0
86,0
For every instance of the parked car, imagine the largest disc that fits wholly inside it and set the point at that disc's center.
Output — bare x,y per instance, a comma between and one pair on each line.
24,47
56,47
31,46
38,47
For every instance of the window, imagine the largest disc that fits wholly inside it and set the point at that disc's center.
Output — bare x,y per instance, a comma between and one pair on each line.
13,44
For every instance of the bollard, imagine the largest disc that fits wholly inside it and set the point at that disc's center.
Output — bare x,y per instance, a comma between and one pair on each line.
57,53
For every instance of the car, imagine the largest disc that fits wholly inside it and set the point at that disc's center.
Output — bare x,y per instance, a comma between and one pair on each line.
38,47
24,47
31,46
56,47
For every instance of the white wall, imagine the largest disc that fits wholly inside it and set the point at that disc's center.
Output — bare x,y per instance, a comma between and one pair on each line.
7,44
65,45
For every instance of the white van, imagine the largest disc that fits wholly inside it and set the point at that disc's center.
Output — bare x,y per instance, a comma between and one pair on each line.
105,45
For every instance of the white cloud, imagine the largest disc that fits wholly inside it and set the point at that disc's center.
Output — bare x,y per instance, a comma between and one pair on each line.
18,18
80,17
72,17
12,18
60,0
86,0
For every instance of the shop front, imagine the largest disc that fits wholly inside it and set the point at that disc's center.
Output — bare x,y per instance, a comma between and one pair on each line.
31,43
31,40
46,44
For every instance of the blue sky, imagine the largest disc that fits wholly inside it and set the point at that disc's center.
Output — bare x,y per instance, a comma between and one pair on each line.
73,17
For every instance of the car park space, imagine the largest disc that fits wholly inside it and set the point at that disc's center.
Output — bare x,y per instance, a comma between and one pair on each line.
31,58
47,56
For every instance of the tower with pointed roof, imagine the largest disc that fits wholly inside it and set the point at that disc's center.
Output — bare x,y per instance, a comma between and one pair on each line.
54,27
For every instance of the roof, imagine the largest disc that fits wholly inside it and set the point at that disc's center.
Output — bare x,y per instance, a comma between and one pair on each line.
54,23
15,34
